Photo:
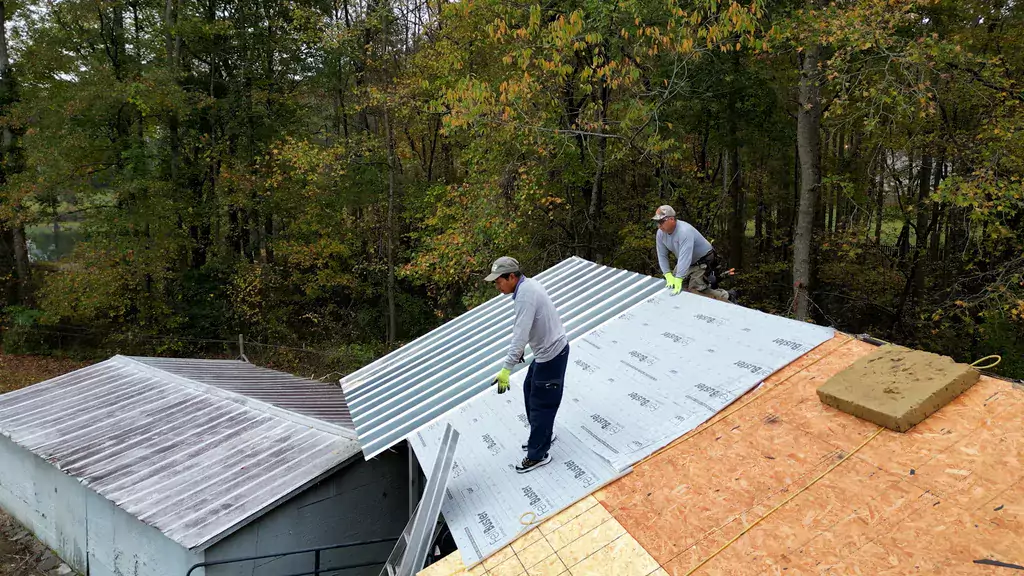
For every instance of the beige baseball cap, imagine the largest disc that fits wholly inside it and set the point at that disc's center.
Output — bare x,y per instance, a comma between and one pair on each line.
503,265
663,212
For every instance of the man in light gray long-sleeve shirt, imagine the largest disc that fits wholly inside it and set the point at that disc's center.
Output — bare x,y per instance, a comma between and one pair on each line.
538,324
695,256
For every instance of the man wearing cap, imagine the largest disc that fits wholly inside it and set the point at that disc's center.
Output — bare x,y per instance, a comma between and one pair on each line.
537,323
695,258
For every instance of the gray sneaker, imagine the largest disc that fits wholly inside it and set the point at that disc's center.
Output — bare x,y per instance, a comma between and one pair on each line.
527,465
526,447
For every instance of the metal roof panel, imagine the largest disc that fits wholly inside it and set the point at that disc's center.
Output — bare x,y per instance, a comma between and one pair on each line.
413,386
181,444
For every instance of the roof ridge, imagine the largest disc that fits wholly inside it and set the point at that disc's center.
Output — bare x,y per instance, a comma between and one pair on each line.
241,399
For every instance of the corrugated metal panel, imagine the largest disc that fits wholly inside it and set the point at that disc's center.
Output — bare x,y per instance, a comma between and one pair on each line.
191,461
314,399
394,396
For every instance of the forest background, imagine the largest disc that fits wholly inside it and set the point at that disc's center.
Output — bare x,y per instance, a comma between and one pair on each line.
331,178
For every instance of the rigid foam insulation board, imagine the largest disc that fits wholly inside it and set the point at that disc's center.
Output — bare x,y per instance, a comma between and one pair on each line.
897,387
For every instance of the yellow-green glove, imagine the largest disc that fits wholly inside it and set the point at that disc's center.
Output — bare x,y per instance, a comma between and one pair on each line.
502,380
676,284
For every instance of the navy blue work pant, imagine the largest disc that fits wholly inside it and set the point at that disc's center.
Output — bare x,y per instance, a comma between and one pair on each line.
542,391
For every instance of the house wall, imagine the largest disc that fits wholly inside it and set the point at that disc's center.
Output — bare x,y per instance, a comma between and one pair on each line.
46,501
363,501
87,531
122,545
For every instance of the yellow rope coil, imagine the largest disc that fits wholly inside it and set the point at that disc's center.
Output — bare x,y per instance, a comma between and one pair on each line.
997,357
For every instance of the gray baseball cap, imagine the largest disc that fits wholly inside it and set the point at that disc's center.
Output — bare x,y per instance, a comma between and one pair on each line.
663,212
502,265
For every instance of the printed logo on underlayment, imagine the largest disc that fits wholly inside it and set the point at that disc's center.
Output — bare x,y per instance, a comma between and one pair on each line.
642,358
537,504
523,420
457,469
678,338
588,368
579,473
448,493
709,319
710,391
605,424
644,401
487,526
751,367
491,445
794,346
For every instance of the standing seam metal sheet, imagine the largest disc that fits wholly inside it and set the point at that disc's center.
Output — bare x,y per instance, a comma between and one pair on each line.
411,387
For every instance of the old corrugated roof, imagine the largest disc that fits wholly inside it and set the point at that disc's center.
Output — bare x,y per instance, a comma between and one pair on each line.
426,378
195,460
325,402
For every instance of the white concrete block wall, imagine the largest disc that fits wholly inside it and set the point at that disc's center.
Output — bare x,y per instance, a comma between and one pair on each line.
87,531
122,545
48,502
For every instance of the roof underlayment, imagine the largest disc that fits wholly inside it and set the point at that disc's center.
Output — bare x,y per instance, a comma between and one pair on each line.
776,484
423,380
194,460
633,385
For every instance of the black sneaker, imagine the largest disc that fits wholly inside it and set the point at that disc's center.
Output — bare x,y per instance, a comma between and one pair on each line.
526,465
526,447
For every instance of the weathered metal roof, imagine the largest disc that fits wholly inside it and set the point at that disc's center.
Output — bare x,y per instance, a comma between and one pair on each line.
324,402
195,461
409,388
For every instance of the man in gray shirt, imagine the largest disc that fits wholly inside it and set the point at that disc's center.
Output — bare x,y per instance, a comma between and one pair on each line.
537,323
695,258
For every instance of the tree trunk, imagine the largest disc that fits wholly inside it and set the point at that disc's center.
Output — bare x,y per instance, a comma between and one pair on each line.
268,236
171,43
759,220
738,219
10,163
880,202
937,213
392,319
921,228
787,216
594,209
808,124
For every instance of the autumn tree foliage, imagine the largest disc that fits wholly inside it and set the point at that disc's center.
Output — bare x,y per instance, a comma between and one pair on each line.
339,173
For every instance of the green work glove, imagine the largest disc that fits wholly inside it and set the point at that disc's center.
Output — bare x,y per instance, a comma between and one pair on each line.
676,284
502,380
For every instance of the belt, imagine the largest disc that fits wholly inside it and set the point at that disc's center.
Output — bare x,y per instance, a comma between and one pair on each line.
708,258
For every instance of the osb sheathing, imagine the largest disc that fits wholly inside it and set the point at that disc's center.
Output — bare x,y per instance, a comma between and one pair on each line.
930,501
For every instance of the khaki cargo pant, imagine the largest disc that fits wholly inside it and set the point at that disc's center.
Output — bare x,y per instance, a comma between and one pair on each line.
696,280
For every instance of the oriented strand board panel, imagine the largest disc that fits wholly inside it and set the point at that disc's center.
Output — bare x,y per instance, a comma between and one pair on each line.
929,501
633,385
896,387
